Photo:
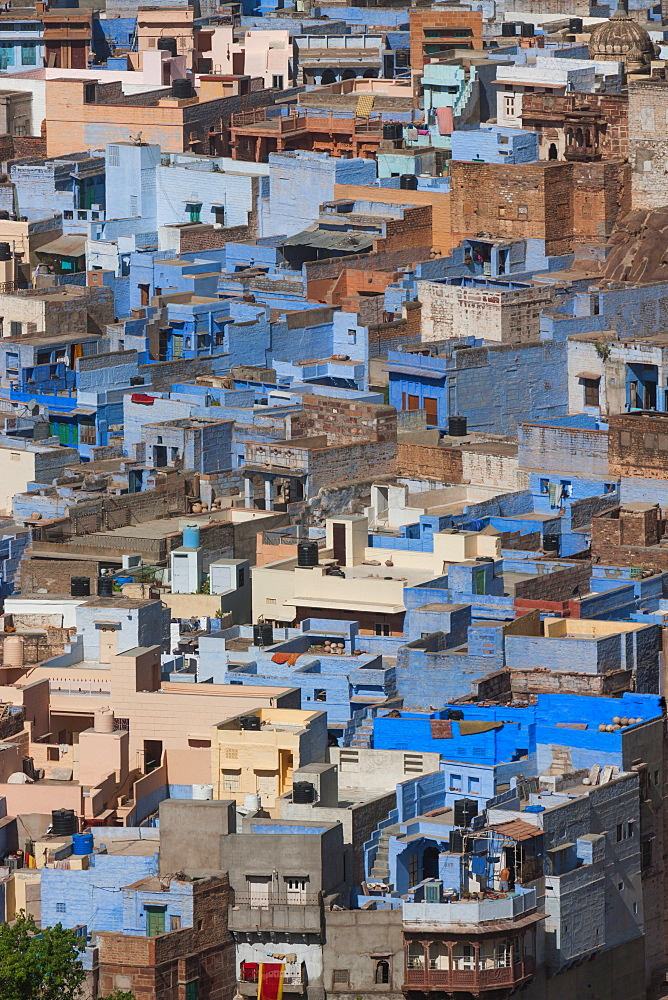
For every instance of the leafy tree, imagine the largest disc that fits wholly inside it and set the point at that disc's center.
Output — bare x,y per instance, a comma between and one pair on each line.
39,964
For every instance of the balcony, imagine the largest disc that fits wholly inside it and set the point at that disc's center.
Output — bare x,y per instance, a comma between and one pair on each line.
276,913
294,979
472,980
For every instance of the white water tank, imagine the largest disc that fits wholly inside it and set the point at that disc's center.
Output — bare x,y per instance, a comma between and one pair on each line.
12,651
104,721
203,792
252,802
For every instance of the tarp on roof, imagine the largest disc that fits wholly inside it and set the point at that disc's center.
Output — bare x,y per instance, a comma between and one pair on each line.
65,246
325,239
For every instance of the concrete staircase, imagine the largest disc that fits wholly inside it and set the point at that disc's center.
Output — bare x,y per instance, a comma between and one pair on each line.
381,864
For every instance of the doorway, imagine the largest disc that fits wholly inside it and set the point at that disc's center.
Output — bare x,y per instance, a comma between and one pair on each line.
152,755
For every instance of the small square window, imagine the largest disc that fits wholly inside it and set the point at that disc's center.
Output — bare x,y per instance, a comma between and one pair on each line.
320,694
61,908
175,923
545,486
341,977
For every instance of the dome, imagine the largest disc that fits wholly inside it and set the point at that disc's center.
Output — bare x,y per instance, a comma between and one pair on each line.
621,39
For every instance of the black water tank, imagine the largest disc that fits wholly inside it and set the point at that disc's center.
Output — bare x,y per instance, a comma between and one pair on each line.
64,822
263,634
408,182
181,89
307,553
575,25
456,714
5,251
508,29
465,810
303,791
456,426
456,842
80,586
105,586
527,30
392,130
250,722
550,543
167,45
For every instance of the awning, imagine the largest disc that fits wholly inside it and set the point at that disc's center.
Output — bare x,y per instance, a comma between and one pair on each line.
590,376
518,829
65,246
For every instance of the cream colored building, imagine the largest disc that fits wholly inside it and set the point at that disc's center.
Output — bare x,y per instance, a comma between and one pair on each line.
367,581
257,753
25,462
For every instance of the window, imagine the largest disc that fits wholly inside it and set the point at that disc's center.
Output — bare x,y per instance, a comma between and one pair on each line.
340,977
175,923
348,760
241,578
382,972
231,781
52,753
630,829
194,210
320,694
413,870
192,990
352,336
277,82
16,457
29,54
455,782
502,955
219,214
635,908
620,886
61,908
231,754
544,485
645,854
381,628
295,889
473,786
620,832
89,93
271,600
415,956
591,391
15,328
522,211
412,763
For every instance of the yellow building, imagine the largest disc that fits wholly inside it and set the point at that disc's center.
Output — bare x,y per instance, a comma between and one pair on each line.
256,753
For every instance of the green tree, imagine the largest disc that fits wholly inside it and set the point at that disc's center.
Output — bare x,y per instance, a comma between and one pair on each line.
39,964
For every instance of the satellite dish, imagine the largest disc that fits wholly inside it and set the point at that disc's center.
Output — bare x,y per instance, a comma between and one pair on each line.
31,404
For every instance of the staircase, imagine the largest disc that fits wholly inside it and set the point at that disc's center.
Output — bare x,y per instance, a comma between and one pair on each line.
359,730
381,863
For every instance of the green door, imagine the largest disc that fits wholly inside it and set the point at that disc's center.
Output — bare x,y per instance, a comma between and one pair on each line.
479,581
155,920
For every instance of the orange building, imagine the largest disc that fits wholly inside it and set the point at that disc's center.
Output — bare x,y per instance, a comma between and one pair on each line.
83,114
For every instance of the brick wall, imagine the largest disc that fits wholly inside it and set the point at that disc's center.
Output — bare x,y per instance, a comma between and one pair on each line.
559,585
443,20
638,445
413,230
158,968
207,238
442,465
561,203
53,576
648,142
344,422
544,113
630,538
439,201
338,465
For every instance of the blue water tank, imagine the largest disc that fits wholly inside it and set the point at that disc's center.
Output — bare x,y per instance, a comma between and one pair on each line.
191,536
82,843
535,809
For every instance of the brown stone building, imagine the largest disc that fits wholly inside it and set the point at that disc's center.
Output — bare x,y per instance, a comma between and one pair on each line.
169,962
434,32
648,141
255,134
602,120
638,445
630,535
562,203
67,39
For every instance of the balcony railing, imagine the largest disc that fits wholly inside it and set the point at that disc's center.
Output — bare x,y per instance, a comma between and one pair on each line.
250,974
469,979
276,899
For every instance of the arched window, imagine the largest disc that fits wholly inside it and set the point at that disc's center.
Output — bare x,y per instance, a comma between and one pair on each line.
552,154
382,972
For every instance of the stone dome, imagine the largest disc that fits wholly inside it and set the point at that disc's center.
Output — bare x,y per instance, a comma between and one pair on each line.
621,39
